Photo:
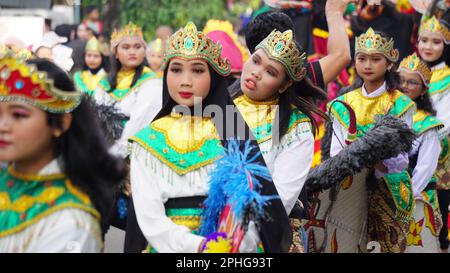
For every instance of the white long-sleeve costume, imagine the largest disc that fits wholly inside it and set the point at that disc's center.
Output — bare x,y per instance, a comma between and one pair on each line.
154,183
340,221
140,104
425,154
288,160
427,147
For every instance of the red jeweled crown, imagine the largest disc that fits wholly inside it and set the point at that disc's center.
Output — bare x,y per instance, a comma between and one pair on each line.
23,82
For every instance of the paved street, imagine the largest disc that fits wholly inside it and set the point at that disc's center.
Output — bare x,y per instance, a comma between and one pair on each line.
114,240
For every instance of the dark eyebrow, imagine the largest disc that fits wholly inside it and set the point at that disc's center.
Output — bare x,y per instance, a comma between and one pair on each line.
273,68
198,64
176,64
19,106
257,56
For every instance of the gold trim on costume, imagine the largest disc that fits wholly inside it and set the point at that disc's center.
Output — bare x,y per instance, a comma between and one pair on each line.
370,107
182,132
32,177
170,164
68,205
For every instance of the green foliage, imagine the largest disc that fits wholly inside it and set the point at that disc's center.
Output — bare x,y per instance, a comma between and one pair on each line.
176,13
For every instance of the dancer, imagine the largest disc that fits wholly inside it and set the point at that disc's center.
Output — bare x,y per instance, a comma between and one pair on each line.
174,155
415,76
384,216
55,195
94,68
434,40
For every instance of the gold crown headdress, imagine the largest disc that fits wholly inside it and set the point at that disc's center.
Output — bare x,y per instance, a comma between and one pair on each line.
94,45
433,25
23,82
414,64
188,43
370,43
130,30
282,48
156,46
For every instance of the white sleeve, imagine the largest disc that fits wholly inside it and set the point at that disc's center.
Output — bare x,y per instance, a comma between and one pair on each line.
427,161
162,234
292,164
337,139
443,113
101,97
408,116
67,231
147,106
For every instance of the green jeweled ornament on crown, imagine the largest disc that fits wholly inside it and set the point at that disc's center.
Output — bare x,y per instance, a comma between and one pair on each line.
188,44
281,47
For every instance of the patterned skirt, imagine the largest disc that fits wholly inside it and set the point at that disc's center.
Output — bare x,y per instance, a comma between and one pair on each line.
298,243
383,225
443,175
443,168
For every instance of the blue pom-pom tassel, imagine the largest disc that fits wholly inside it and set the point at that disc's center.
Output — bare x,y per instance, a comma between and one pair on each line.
122,207
230,184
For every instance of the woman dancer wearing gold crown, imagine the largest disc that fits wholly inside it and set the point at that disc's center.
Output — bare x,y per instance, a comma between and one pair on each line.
136,92
94,68
277,102
129,85
415,76
389,193
434,40
53,193
174,157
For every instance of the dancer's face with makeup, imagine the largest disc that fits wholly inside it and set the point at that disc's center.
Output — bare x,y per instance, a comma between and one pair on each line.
262,78
93,59
372,67
431,46
131,52
188,81
26,137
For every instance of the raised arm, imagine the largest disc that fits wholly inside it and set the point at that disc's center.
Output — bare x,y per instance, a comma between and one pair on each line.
338,42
